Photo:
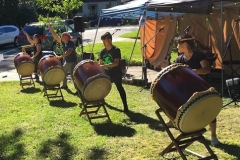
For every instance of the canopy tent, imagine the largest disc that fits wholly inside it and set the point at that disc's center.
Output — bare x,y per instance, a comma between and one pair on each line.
170,13
221,16
131,10
190,6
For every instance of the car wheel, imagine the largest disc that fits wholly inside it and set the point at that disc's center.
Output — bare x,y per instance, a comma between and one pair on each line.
118,24
15,43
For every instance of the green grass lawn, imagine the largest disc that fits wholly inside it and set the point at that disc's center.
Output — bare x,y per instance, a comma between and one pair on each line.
34,128
132,34
126,52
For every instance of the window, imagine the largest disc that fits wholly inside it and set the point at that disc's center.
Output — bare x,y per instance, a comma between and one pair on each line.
108,6
80,9
31,30
69,29
2,30
93,10
9,29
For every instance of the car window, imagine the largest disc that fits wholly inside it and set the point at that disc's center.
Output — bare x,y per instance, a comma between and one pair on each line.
69,29
2,30
69,21
9,29
14,29
31,30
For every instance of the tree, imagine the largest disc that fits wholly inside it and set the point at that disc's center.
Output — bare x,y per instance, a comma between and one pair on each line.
8,11
62,7
27,3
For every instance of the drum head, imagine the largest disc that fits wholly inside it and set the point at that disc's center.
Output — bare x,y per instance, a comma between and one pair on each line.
198,112
97,88
26,68
53,75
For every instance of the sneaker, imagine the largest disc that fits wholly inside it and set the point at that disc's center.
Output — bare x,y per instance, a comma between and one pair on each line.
214,141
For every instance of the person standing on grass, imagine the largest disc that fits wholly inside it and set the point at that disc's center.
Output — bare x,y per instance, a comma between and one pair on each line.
199,64
109,60
69,55
37,51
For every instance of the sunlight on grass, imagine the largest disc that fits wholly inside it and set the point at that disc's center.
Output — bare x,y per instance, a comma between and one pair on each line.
126,52
133,35
34,128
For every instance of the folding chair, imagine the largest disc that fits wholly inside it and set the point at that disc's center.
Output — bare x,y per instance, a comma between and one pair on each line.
52,91
184,140
92,109
26,81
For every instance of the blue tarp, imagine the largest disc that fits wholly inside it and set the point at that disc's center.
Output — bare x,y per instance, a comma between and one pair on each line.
133,10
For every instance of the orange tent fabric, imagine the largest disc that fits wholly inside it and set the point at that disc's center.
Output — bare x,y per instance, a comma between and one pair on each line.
205,28
229,16
158,48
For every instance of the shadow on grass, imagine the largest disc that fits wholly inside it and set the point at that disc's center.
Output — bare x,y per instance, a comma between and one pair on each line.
71,92
10,147
62,103
31,90
39,82
114,130
113,108
140,118
96,153
58,148
228,148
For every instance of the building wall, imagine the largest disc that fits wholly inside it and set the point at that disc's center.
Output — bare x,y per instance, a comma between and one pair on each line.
92,9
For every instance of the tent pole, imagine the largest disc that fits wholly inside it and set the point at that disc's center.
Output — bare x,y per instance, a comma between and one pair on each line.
134,45
96,34
222,43
144,68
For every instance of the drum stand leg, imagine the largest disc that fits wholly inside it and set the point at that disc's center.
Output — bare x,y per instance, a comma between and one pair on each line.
93,107
26,81
184,140
56,88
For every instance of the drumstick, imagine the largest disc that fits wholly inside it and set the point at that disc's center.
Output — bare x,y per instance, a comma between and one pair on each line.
23,30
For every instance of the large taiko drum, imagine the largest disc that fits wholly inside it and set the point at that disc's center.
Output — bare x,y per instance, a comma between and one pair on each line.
91,80
51,70
186,98
24,64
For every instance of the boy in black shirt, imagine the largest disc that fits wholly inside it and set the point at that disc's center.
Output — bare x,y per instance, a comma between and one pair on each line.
109,60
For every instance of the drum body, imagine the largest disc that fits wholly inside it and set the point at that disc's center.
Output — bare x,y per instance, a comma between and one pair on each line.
51,70
24,64
186,98
91,80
